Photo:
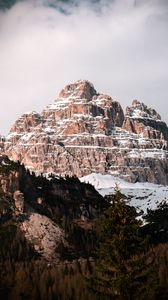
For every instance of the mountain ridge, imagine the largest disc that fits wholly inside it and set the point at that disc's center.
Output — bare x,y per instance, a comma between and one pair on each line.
84,131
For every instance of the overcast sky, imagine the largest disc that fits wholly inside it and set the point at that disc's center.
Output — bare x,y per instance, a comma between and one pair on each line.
121,46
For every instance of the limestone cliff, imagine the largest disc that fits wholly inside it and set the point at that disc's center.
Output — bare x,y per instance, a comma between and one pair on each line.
84,132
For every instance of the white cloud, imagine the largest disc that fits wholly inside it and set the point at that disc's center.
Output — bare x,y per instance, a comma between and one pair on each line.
123,50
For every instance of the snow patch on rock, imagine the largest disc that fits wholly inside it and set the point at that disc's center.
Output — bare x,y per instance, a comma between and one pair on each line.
142,195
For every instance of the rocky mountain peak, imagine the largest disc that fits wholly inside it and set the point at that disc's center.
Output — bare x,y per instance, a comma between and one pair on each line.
80,109
141,119
84,131
82,89
26,122
140,110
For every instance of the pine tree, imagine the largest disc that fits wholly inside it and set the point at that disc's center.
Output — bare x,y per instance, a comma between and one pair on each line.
124,268
157,223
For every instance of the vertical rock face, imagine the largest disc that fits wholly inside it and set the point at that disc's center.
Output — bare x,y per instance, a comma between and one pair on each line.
84,131
146,121
25,123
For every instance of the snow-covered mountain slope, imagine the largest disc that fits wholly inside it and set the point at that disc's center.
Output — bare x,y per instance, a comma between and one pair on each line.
84,131
141,195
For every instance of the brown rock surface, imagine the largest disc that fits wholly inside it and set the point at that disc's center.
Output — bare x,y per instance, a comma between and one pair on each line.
84,132
44,234
18,197
146,121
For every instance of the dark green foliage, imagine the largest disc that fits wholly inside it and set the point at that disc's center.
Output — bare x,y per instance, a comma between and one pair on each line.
64,200
37,280
7,165
83,241
124,270
161,259
157,223
5,207
13,245
63,197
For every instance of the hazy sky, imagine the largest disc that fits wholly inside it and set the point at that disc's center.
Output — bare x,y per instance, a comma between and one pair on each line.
121,46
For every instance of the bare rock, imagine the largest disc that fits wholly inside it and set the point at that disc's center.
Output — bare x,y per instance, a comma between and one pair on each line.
82,89
19,202
44,235
84,131
145,121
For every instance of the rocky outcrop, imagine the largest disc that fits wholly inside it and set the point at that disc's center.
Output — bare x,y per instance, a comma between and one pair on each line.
145,121
18,197
82,89
44,235
41,208
84,131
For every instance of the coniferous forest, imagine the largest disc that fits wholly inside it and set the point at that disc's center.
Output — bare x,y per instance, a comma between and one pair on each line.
111,252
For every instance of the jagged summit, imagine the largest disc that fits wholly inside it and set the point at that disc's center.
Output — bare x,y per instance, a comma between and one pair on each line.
84,131
140,110
82,89
143,120
80,109
25,123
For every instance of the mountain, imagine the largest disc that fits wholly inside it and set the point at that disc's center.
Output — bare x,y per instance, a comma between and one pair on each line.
85,132
49,212
50,230
141,195
47,234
